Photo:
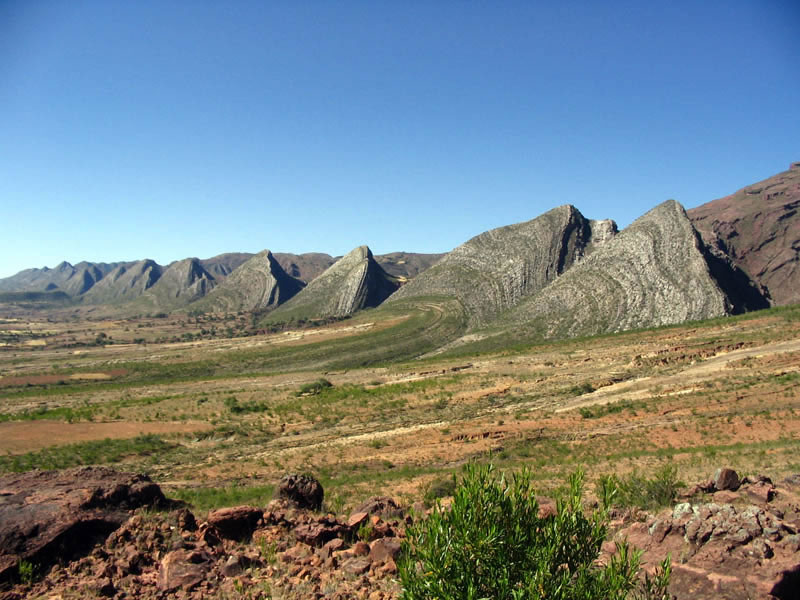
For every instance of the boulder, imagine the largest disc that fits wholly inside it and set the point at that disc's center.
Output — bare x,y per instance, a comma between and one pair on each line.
726,479
320,531
183,569
235,523
303,491
382,506
384,549
49,516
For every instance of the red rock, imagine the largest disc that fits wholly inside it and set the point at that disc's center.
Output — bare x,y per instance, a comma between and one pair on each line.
384,549
357,519
332,546
361,549
357,566
235,523
382,506
726,479
183,569
725,497
761,491
49,516
317,533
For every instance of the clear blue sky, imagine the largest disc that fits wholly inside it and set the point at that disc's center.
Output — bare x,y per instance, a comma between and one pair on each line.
166,129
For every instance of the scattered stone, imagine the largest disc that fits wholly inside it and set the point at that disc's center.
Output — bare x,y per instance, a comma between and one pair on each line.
384,549
357,519
235,523
357,566
302,491
382,506
183,569
318,533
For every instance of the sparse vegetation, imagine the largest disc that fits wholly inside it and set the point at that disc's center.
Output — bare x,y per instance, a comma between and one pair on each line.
492,543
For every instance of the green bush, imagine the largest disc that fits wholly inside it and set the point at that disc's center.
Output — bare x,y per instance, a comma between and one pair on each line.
492,544
314,388
637,490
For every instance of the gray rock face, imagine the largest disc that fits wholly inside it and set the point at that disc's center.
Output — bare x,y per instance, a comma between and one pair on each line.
354,282
258,284
653,273
126,282
181,283
497,269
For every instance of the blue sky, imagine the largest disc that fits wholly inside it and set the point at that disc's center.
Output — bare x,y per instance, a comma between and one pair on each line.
166,129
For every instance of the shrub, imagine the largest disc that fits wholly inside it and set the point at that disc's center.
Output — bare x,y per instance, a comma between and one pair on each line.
492,543
637,490
314,388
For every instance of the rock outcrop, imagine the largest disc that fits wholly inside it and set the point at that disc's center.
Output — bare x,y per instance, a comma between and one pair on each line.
758,229
494,271
653,273
258,284
353,282
47,516
734,545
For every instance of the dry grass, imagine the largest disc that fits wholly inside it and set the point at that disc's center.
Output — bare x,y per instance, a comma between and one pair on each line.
697,396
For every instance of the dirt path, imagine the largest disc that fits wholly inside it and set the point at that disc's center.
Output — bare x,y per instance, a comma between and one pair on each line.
26,436
637,389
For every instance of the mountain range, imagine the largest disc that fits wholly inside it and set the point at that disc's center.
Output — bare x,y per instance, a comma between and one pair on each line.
557,275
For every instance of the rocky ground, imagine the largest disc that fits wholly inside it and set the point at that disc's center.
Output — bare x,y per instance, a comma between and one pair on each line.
95,532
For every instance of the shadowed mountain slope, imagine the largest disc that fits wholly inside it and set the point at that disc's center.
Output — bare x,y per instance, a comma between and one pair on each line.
758,228
653,273
354,282
258,284
181,282
496,269
126,282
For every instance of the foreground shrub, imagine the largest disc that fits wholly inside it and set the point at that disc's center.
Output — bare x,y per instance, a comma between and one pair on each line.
492,544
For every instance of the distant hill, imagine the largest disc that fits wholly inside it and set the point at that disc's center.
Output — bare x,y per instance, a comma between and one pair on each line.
125,283
258,284
353,282
305,267
406,265
72,280
496,269
181,283
222,265
758,229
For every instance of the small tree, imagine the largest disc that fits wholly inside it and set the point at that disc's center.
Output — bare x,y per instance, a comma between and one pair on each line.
492,544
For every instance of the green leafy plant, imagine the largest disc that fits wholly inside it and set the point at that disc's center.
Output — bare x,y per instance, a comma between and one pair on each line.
637,490
492,543
27,572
